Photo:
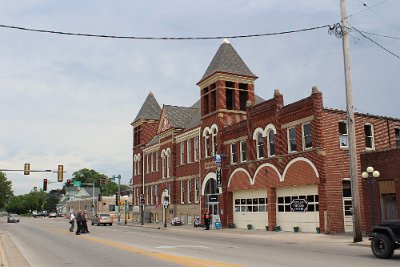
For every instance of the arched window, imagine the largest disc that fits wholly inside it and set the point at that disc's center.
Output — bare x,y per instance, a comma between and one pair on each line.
260,146
271,143
214,141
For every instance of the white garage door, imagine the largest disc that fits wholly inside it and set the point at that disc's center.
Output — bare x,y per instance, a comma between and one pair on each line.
306,220
250,207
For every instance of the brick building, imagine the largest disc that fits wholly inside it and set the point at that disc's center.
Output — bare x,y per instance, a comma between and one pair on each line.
281,165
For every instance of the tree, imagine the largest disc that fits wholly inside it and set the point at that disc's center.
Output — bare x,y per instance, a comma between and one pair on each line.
52,199
87,176
5,190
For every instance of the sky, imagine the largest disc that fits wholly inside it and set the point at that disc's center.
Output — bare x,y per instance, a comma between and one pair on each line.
71,100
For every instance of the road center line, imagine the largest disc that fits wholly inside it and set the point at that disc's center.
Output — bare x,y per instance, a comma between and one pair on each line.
182,260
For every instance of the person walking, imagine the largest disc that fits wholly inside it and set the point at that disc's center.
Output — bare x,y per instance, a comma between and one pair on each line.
78,223
84,223
207,219
72,221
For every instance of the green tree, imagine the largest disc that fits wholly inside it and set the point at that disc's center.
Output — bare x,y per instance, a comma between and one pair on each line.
35,200
5,191
18,204
87,176
52,199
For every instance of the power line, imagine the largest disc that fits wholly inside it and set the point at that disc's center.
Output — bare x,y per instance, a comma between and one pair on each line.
387,50
162,38
368,8
381,35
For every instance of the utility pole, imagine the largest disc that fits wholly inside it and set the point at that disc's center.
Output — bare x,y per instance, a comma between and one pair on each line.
351,125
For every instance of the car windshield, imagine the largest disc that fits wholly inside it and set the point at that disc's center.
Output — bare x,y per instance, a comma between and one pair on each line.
13,215
104,215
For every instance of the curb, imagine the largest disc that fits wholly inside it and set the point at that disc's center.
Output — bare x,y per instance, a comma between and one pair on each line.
3,258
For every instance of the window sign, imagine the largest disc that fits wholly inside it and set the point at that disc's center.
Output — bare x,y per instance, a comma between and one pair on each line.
299,205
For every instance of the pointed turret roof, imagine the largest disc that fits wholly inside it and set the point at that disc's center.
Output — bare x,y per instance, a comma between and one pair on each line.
150,110
227,60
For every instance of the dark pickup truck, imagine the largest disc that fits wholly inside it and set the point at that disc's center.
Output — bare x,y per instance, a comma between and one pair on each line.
385,238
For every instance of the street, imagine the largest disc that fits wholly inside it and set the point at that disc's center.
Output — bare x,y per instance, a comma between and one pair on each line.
47,242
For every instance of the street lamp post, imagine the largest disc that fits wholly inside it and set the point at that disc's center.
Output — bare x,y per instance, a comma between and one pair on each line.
370,174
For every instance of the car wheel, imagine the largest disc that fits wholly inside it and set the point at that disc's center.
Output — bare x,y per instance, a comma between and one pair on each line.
382,246
92,223
110,224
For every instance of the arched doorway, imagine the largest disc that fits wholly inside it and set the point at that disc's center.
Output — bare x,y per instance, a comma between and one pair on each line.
212,196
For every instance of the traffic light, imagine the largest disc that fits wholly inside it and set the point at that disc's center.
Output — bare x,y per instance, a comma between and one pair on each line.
44,184
60,173
103,180
99,197
27,168
117,197
69,182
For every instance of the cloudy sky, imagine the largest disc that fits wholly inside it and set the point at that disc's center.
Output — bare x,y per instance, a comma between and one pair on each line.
70,100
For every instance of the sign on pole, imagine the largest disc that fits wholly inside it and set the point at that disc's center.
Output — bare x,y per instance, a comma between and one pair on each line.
299,205
77,183
219,179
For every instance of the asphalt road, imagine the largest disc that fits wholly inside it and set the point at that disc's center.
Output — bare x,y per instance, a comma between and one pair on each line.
47,242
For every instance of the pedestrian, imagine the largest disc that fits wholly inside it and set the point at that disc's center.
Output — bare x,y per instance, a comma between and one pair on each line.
78,223
207,219
72,222
84,223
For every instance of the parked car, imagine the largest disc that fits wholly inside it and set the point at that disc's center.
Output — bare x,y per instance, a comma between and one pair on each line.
53,214
176,221
385,238
13,218
38,214
102,218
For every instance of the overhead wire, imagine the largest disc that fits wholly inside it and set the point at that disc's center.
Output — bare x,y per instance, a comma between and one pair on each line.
373,41
161,38
368,8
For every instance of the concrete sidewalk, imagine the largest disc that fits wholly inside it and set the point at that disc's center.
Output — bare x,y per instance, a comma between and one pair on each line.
346,239
10,255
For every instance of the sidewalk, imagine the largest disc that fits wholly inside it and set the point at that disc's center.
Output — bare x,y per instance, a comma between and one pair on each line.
346,239
10,255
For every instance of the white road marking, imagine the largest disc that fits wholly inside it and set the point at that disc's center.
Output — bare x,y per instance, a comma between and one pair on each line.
182,246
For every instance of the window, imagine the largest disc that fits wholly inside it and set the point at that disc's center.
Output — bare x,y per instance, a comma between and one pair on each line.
189,191
230,95
207,146
214,141
307,140
243,151
182,192
147,164
182,153
196,190
233,153
260,146
251,204
168,163
397,136
346,184
147,194
163,165
189,150
343,136
369,136
111,207
271,143
196,149
292,140
151,195
152,162
157,161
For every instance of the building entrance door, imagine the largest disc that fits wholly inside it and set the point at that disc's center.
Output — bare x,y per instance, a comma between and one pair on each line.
213,208
389,207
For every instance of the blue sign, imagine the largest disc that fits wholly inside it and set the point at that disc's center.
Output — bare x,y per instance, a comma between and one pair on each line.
218,225
217,158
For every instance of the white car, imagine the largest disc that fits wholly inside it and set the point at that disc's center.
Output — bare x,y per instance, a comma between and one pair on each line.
53,215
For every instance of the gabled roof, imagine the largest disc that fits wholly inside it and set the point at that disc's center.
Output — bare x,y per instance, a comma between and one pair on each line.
227,60
150,109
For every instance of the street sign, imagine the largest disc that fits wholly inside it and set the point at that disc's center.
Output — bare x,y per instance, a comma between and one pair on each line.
300,205
219,179
217,158
77,183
